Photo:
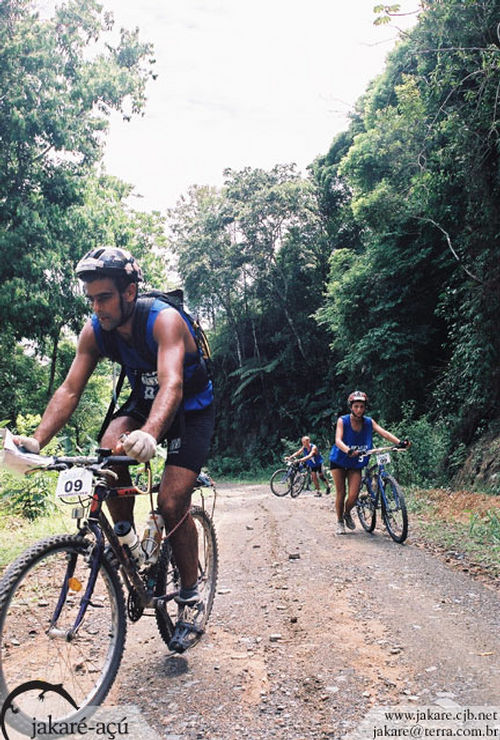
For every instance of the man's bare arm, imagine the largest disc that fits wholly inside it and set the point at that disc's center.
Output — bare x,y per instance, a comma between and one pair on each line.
173,340
66,398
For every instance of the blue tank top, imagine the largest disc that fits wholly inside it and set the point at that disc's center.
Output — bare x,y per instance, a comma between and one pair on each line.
142,373
315,460
362,439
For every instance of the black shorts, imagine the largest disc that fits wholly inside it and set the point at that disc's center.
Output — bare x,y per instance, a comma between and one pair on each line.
334,466
316,468
188,438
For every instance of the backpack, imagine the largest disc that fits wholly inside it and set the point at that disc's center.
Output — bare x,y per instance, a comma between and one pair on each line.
174,298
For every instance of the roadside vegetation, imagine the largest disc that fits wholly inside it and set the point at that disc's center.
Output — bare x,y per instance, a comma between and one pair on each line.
464,527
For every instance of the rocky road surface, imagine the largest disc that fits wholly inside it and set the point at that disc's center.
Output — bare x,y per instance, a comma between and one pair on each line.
310,631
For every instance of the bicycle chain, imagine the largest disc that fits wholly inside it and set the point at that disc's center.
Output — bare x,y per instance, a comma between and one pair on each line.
135,608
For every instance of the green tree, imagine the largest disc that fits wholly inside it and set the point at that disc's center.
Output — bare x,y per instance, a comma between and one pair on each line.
422,173
58,84
253,258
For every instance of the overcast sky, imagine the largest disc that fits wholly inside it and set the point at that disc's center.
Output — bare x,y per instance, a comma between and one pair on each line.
241,83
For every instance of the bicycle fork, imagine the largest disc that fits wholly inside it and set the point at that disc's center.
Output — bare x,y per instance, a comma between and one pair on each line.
85,602
132,579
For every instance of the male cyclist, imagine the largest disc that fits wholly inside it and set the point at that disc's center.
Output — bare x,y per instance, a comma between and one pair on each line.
313,458
172,399
353,436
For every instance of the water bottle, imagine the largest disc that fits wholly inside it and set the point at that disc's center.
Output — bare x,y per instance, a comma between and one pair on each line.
151,539
127,536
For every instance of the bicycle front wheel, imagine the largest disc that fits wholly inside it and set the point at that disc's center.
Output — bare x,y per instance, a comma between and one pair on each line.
40,597
394,511
280,482
298,484
168,580
365,507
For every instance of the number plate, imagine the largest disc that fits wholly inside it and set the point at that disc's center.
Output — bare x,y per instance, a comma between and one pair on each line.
74,482
384,459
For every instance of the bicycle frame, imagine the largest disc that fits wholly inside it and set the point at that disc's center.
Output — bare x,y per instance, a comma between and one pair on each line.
293,469
100,527
380,492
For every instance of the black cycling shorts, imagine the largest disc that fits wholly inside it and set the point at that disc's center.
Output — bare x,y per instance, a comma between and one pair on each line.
334,466
188,438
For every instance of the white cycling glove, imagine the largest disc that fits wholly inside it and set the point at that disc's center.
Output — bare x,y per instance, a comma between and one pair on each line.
139,445
29,443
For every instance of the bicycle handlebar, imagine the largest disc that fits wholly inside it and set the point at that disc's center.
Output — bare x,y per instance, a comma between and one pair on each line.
384,449
22,461
374,450
60,463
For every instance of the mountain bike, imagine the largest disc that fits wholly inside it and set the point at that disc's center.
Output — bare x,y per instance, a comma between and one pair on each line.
291,479
63,614
380,490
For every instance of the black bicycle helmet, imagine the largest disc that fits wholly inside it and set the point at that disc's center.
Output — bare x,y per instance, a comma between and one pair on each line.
357,396
111,262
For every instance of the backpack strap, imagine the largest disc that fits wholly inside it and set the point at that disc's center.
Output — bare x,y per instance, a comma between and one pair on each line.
112,405
139,329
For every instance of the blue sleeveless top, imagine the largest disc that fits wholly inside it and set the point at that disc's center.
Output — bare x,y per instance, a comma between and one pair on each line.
142,373
315,460
362,439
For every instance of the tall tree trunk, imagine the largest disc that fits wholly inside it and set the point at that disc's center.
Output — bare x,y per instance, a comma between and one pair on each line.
53,363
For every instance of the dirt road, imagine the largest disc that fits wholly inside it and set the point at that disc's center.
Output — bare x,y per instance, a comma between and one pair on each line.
310,630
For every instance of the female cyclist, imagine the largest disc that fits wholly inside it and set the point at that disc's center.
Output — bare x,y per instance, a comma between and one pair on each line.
353,436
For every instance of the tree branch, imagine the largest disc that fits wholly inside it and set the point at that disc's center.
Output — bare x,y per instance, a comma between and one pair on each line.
448,240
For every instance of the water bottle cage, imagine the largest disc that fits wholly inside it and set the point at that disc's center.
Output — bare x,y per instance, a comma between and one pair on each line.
150,547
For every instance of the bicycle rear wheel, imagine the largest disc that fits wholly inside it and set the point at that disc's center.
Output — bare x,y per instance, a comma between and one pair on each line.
281,482
394,511
168,580
365,507
40,597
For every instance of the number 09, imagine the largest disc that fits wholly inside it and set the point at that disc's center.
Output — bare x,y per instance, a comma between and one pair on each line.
73,486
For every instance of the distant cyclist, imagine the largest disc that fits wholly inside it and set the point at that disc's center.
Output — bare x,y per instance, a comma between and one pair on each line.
172,399
312,457
354,434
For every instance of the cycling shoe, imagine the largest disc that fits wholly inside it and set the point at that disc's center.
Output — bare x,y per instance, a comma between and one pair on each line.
189,626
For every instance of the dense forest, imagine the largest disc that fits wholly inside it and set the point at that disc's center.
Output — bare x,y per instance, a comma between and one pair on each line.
377,270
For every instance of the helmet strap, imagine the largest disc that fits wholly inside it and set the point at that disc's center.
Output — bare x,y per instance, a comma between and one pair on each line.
123,306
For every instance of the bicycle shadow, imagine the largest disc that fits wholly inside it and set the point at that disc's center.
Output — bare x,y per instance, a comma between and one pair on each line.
173,665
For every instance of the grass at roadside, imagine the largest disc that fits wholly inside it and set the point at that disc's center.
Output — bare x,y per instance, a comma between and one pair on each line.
465,526
17,534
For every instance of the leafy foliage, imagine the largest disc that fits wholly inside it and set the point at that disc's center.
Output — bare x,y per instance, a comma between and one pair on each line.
24,496
422,170
58,86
